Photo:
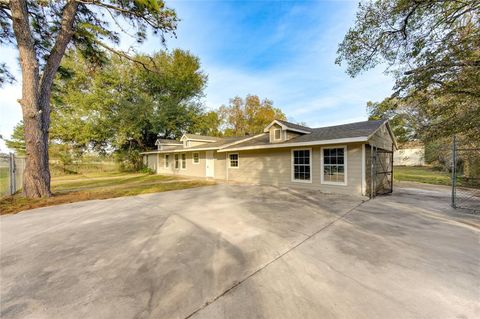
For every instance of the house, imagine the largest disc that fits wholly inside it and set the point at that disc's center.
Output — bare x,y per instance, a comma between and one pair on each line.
353,158
410,154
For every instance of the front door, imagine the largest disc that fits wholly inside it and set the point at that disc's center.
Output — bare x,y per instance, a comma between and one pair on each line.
210,164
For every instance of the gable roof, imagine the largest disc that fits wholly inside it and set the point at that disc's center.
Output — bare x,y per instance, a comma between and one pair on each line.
165,141
288,126
345,133
294,126
197,137
213,145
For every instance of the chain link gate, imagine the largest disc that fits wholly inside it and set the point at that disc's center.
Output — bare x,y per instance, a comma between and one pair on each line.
11,173
381,171
465,176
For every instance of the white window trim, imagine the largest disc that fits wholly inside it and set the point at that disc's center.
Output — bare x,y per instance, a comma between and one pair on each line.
345,161
181,161
293,167
229,161
193,158
274,136
176,159
165,161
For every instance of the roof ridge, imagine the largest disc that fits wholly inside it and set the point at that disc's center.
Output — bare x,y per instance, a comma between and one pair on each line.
353,123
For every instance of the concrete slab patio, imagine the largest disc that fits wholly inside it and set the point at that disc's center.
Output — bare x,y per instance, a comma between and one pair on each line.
236,251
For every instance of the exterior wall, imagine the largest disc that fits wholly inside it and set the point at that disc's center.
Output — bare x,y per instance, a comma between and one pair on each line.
274,167
220,168
382,139
194,170
150,161
368,169
291,135
409,157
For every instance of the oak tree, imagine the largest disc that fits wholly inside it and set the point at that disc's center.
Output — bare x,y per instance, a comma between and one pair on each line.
432,47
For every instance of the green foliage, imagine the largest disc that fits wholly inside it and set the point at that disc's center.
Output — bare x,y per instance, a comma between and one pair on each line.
123,106
207,124
248,116
96,27
399,117
17,140
433,49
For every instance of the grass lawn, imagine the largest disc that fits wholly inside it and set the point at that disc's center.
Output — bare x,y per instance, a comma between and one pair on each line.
422,174
75,188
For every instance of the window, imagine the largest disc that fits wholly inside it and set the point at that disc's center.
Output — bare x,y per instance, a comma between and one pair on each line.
167,161
302,169
233,160
333,165
277,134
184,161
176,161
195,158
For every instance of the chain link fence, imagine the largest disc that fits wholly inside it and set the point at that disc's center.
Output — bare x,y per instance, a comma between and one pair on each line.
465,176
11,174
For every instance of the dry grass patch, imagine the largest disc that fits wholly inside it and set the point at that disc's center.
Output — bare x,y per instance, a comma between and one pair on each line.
69,189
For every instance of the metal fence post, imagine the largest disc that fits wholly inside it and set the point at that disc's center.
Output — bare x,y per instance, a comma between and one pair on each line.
11,170
454,170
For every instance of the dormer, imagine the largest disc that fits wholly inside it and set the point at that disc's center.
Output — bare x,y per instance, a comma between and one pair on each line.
163,144
189,140
281,131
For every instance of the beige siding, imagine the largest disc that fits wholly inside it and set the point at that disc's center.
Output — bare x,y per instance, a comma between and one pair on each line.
291,134
274,167
150,161
194,170
382,139
220,168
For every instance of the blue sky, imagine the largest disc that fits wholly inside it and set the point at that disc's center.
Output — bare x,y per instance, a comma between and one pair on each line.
281,50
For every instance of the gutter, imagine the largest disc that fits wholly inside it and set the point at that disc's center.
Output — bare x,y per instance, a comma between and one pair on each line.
282,145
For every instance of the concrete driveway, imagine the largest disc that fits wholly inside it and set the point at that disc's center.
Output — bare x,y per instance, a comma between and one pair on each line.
235,251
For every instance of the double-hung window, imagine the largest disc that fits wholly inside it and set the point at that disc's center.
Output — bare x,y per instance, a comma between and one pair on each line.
233,160
167,161
302,165
184,161
176,161
334,165
195,158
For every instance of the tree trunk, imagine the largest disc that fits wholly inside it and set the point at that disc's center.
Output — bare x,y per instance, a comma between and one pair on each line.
36,93
36,178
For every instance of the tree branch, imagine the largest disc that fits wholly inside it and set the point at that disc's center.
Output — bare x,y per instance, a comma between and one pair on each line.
53,62
128,57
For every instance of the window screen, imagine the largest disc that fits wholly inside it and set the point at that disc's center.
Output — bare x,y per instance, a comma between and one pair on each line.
184,161
277,134
167,160
301,165
334,165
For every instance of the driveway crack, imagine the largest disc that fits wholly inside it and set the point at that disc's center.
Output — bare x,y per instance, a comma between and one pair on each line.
237,283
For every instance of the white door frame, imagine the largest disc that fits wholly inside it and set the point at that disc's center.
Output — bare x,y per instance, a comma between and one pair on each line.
209,164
